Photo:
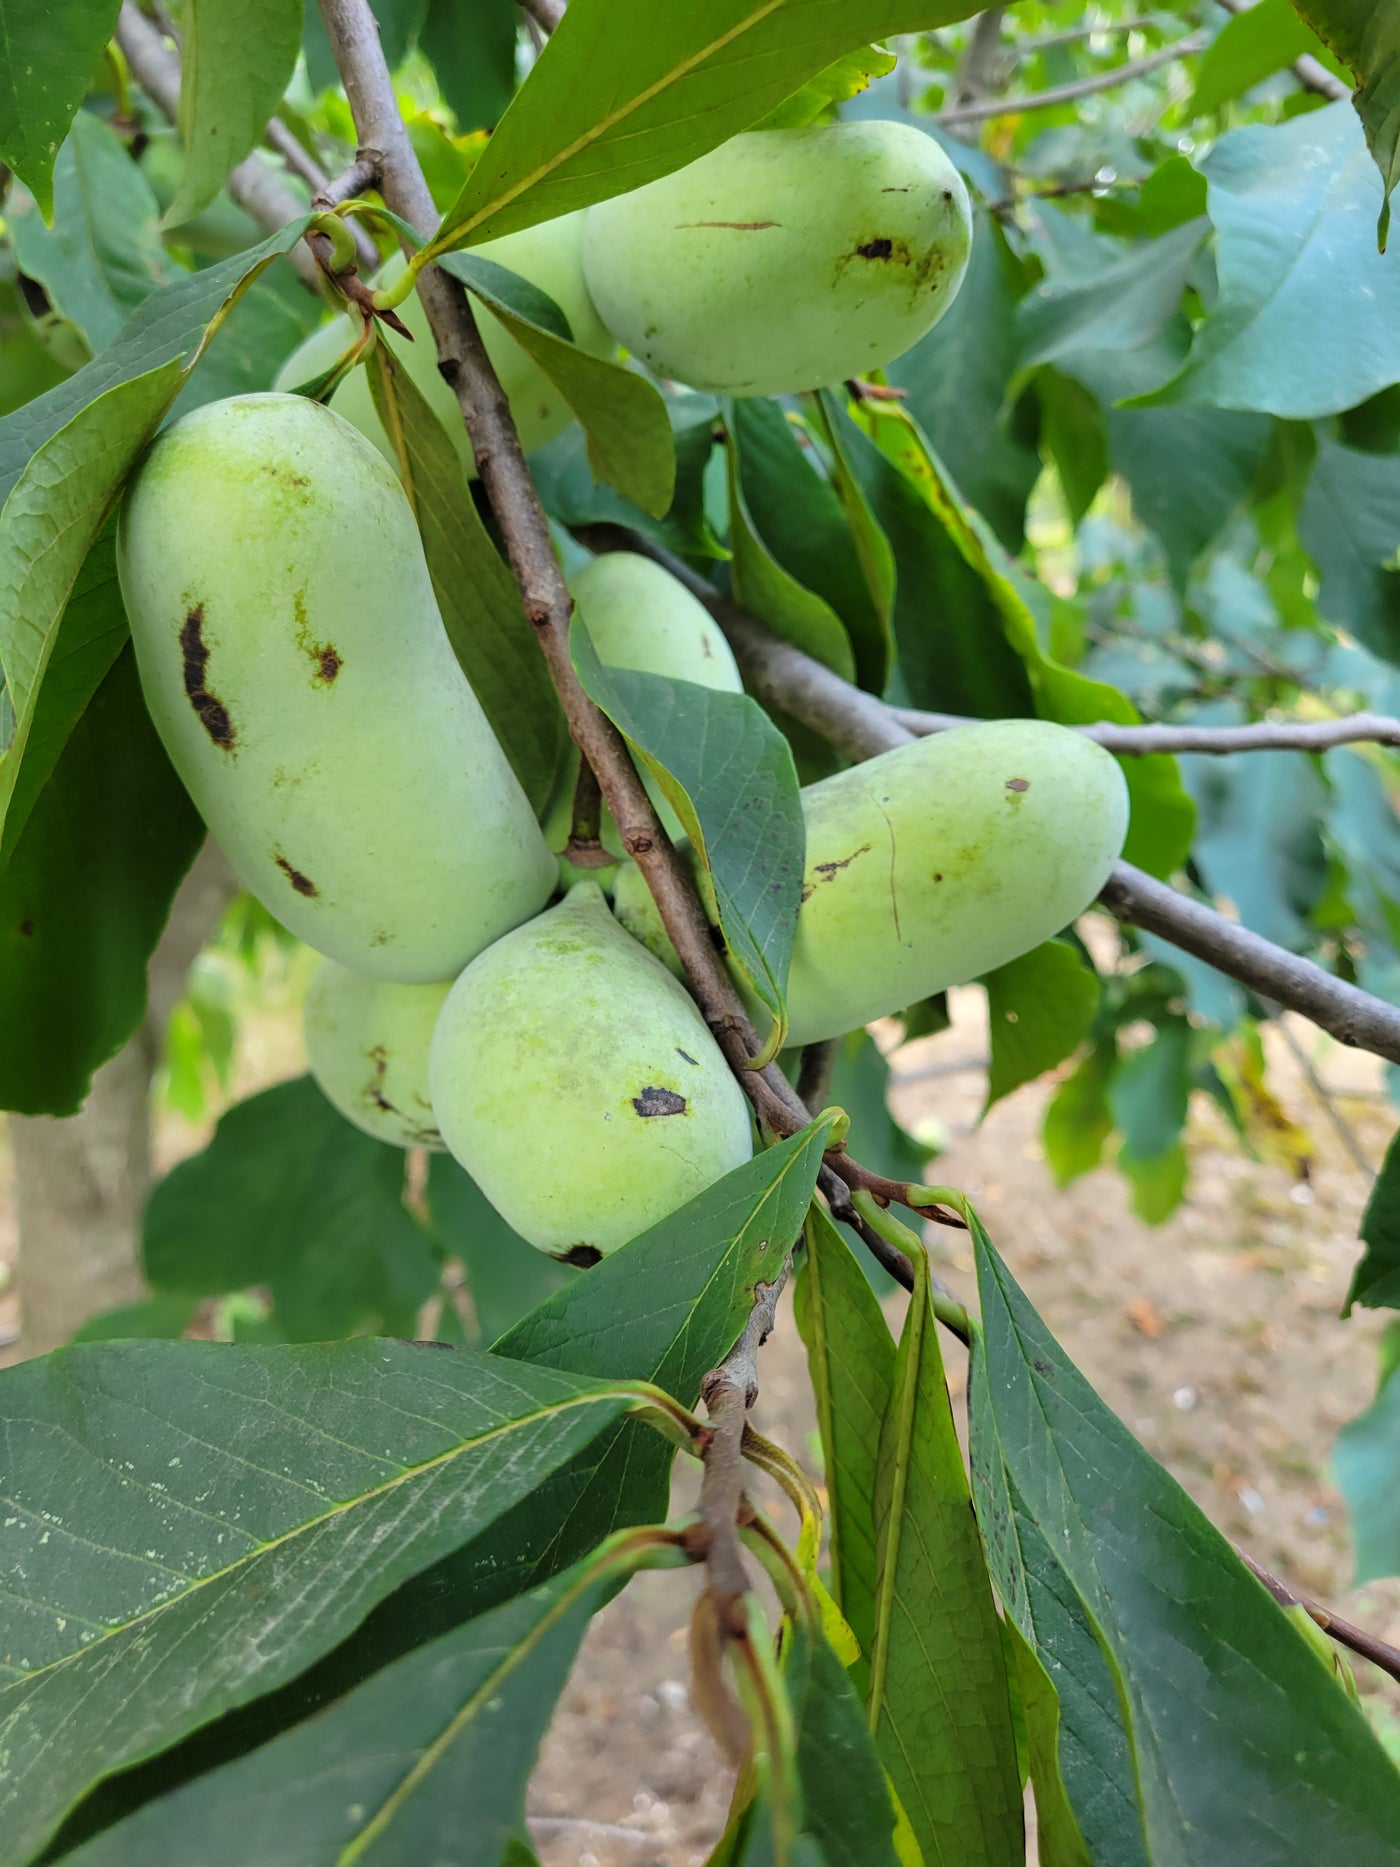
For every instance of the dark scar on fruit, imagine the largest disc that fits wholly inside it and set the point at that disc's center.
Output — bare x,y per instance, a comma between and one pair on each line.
876,249
686,1054
213,714
827,871
302,883
1018,784
582,1257
658,1102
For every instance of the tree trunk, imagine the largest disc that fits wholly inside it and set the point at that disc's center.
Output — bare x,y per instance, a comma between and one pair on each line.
81,1183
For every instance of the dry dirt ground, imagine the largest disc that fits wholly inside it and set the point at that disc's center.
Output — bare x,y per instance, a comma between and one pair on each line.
1215,1336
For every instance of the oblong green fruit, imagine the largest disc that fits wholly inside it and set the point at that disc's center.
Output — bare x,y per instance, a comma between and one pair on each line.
367,1044
549,256
642,617
296,668
784,259
934,864
578,1085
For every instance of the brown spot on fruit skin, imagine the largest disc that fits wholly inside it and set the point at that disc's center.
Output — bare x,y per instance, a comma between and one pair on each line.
27,929
1018,784
330,664
876,249
686,1054
194,652
324,656
302,883
582,1257
659,1102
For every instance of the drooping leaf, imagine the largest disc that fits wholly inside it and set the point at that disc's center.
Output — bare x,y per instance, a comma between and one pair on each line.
844,78
1367,39
846,1807
571,494
1347,526
1250,46
1294,205
1375,1282
1188,469
236,59
1366,1456
47,528
623,415
506,1278
1258,843
1296,1773
472,51
851,1360
951,1755
84,893
47,58
1059,1838
254,1504
1039,1010
728,773
476,593
103,255
1078,1119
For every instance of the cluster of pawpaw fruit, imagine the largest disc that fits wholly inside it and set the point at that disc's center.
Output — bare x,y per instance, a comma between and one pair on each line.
295,664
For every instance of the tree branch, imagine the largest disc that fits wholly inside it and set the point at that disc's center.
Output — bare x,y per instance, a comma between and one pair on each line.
1257,736
1310,72
545,13
1069,93
1345,1633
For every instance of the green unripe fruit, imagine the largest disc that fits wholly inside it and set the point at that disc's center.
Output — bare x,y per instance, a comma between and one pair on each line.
578,1085
784,259
642,617
934,864
367,1043
297,670
549,256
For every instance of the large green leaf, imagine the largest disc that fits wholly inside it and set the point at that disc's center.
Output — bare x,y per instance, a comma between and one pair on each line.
236,59
84,893
1348,528
290,1196
728,773
171,323
623,415
505,1277
1039,1010
195,1523
623,93
1293,206
47,57
1188,469
1251,46
428,1760
1367,1457
846,1806
47,528
103,254
1366,37
1258,842
1375,1283
851,1360
478,597
472,49
1244,1746
950,1753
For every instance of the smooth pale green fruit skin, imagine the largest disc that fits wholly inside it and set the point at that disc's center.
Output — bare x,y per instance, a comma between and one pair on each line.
543,1048
367,1043
934,864
549,256
297,671
784,259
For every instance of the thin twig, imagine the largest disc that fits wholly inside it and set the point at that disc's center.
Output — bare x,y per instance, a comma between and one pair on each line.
1324,1097
1257,736
814,1072
546,14
1345,1633
1069,93
1310,72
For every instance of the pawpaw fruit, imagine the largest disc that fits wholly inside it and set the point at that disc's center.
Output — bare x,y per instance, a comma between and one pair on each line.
367,1044
932,865
296,668
549,256
784,259
577,1083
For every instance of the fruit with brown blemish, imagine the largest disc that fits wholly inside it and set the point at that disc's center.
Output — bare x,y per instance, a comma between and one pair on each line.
550,256
576,1082
297,670
367,1043
784,259
932,865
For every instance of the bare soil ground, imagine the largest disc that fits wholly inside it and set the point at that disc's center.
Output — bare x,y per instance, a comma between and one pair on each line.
1216,1337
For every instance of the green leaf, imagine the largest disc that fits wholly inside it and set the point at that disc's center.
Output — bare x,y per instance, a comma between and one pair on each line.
1347,526
1059,1838
103,254
1039,1010
951,1754
1249,47
1149,1091
851,1360
1258,843
622,94
398,22
84,894
506,1278
1366,1458
728,773
250,1506
47,57
478,597
1293,205
472,51
1158,1181
623,415
289,1195
1078,1119
171,323
1203,1653
1367,39
391,1771
161,1318
236,59
1188,470
1375,1282
47,528
860,1082
1074,435
801,525
571,495
846,1807
844,78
